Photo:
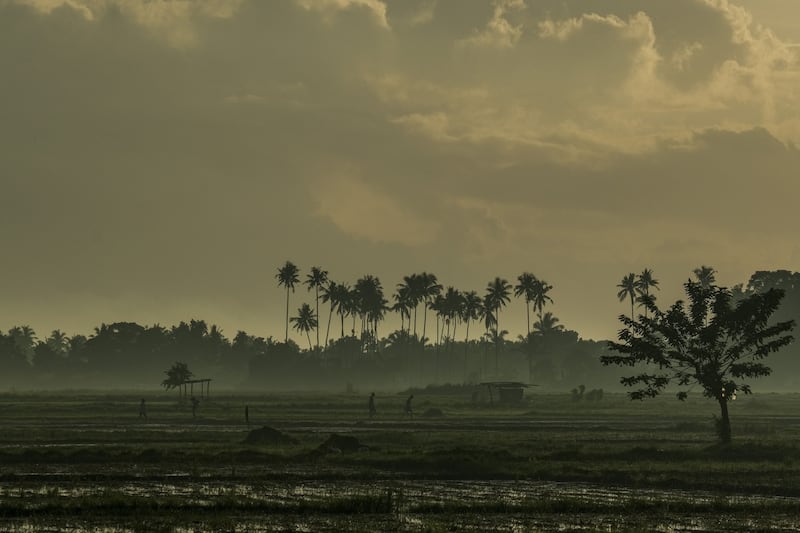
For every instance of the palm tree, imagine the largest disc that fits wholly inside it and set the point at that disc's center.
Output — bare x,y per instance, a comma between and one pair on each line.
58,342
429,289
24,339
412,287
341,297
540,297
326,295
546,323
706,275
305,321
497,296
643,284
288,276
627,289
525,288
471,309
402,305
317,279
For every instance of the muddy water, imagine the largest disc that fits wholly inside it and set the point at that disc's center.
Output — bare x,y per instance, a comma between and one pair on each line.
408,494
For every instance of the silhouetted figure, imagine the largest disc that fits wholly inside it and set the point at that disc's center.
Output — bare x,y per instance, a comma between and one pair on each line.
372,409
195,403
142,410
247,414
408,411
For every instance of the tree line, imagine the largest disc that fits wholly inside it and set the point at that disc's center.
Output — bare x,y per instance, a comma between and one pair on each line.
445,335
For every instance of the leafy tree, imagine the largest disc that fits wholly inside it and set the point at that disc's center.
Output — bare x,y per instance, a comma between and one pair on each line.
177,375
627,289
317,279
288,276
705,275
714,342
305,321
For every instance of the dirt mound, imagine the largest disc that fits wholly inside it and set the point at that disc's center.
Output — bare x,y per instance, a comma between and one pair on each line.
268,435
341,444
433,412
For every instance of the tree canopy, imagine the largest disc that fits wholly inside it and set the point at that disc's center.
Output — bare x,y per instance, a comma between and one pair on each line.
712,341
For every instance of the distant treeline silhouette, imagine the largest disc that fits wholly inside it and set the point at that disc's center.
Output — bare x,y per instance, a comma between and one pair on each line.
460,342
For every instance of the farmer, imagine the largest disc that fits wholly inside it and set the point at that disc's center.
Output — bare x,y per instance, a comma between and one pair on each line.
408,411
142,410
195,403
372,409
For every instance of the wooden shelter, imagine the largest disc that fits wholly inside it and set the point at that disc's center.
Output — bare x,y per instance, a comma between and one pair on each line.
508,392
187,387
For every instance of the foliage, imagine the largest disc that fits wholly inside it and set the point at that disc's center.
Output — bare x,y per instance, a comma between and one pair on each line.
713,342
177,375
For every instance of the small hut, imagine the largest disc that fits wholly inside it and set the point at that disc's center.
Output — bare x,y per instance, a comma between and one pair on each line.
507,392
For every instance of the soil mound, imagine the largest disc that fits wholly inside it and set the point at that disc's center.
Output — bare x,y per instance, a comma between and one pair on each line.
268,435
433,412
341,444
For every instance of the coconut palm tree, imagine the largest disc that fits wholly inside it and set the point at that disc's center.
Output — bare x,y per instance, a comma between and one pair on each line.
402,305
339,294
546,323
627,289
305,321
429,289
644,283
317,279
288,276
498,294
413,288
471,310
58,342
525,288
540,297
706,275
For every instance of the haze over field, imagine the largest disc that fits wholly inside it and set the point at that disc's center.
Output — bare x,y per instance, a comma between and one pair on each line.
160,160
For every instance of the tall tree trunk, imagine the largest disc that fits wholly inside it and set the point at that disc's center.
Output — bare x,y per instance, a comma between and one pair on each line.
286,339
328,331
528,310
424,322
415,319
342,315
308,335
496,341
632,307
466,348
316,289
725,422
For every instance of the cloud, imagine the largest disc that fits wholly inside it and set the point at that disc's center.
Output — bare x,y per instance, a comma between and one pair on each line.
361,210
499,31
376,8
172,20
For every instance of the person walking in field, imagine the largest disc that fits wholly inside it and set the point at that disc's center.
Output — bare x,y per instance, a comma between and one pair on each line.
142,410
372,410
408,411
195,403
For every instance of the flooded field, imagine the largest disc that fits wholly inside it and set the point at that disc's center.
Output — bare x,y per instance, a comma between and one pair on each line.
88,464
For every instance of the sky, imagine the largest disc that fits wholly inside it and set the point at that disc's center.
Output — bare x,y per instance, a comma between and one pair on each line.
159,160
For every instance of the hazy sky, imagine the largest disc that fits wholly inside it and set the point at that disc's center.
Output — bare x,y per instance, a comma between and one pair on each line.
160,159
